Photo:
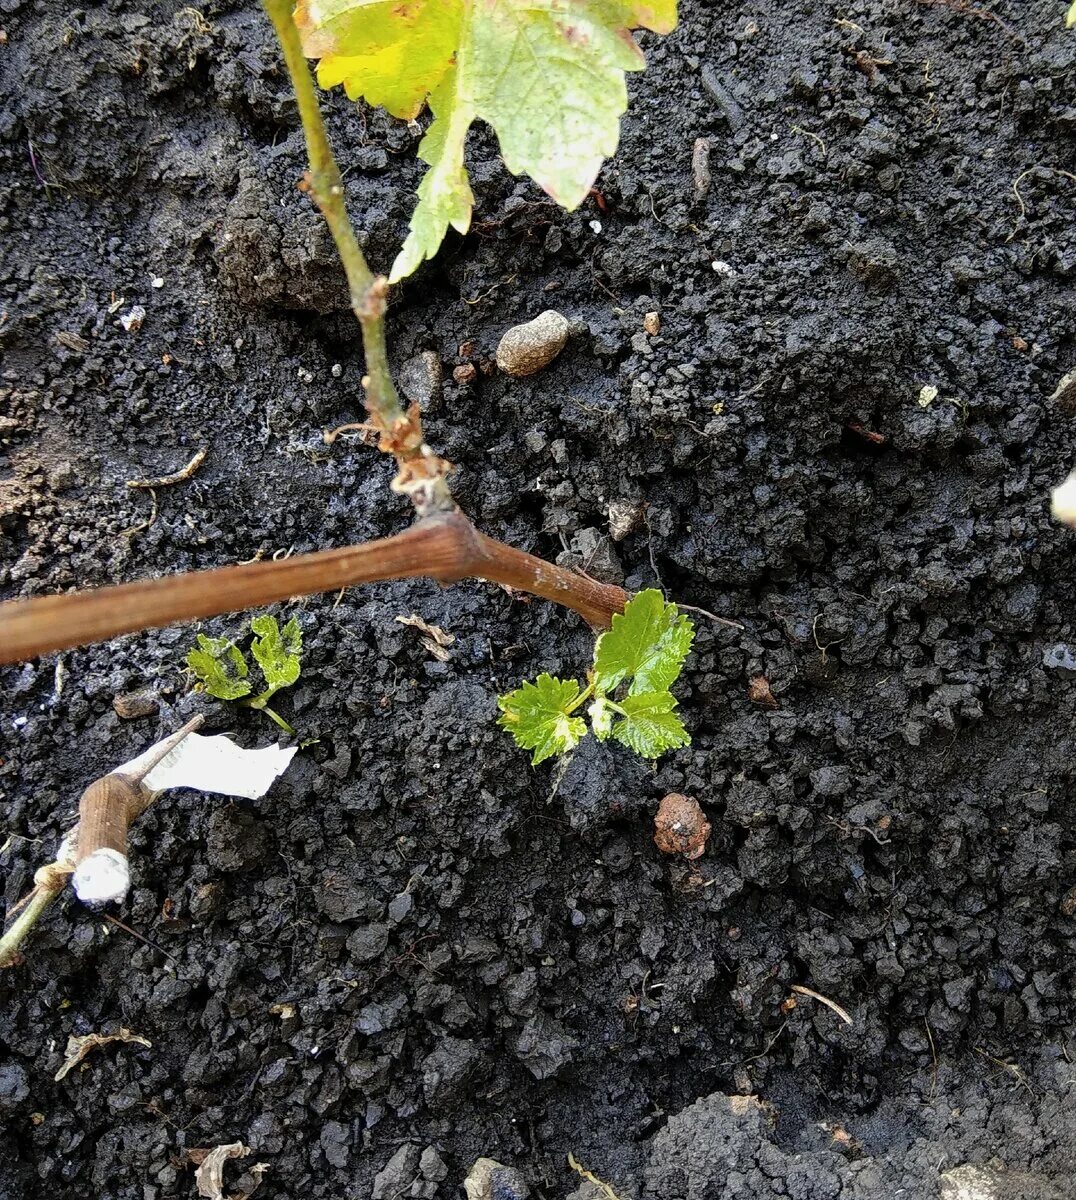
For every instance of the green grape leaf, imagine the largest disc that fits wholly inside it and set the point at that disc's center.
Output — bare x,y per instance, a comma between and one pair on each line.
647,644
220,668
650,726
547,75
277,651
538,716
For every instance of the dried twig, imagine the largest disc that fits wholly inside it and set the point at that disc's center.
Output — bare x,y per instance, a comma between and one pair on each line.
808,134
1020,199
179,476
330,435
142,526
712,616
590,1177
800,990
933,1060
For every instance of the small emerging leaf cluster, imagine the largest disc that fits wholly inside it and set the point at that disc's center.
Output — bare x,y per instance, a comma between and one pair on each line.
638,659
221,667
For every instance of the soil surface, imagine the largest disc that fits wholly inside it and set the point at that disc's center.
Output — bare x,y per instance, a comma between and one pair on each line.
417,950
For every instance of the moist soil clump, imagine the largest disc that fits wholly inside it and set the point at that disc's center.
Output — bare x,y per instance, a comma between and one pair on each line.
856,230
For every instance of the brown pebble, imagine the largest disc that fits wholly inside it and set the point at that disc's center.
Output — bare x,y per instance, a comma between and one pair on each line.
1019,343
130,705
758,692
1068,903
527,348
652,323
465,373
680,826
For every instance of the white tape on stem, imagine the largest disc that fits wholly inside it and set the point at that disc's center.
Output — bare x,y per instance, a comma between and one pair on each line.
207,764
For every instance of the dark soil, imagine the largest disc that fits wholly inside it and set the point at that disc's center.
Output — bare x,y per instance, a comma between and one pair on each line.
416,941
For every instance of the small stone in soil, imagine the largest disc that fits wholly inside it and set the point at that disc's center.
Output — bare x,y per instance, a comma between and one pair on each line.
491,1180
1064,395
681,826
420,379
368,942
14,1086
527,348
1060,658
544,1046
132,321
397,1175
624,518
432,1165
130,705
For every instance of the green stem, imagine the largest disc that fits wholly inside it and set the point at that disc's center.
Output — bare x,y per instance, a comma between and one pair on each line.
261,703
24,922
368,292
583,695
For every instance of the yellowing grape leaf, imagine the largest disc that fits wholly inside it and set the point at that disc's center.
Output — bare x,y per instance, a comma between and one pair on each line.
547,75
392,53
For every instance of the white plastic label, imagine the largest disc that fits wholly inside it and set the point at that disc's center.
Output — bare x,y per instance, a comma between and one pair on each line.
216,764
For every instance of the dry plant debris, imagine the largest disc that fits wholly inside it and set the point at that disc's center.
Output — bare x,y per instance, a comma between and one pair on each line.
209,1178
80,1045
591,1178
179,476
434,637
800,990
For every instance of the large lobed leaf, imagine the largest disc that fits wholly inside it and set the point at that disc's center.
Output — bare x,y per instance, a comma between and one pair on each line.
647,644
548,75
650,726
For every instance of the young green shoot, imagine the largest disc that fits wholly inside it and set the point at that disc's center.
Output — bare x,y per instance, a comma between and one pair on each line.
222,671
630,684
